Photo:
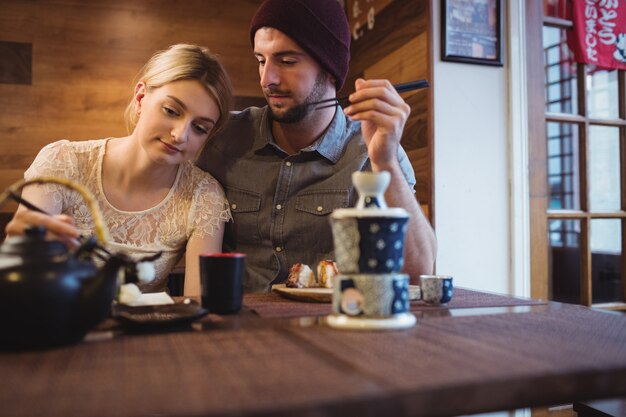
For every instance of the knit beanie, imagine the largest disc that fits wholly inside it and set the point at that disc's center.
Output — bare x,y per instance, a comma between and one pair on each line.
320,27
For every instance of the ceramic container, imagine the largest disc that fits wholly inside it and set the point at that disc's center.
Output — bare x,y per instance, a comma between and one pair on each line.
369,239
221,281
371,295
436,289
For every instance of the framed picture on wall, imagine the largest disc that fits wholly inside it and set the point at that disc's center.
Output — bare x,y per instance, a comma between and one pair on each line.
471,31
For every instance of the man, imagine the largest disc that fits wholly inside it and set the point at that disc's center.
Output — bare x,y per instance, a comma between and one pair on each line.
285,167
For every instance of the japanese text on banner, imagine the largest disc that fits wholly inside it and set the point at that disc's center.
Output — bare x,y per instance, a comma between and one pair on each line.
600,33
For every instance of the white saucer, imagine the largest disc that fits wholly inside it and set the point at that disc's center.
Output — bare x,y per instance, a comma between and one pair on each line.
395,322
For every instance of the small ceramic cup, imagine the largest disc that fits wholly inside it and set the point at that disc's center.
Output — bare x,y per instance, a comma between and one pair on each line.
436,289
371,295
221,281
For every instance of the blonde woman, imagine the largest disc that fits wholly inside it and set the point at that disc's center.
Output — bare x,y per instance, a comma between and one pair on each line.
151,195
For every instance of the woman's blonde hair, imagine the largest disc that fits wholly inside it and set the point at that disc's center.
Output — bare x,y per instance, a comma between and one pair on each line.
186,62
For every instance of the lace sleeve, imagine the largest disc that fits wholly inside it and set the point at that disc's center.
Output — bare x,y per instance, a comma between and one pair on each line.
52,160
209,208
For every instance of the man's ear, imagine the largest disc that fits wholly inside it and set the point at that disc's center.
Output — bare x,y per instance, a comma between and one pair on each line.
332,79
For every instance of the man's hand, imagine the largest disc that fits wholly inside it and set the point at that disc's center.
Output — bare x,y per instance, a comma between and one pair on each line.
383,114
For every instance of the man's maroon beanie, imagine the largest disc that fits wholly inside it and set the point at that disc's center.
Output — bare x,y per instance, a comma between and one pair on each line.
320,27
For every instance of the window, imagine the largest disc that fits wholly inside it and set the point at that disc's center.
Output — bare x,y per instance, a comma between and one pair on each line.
578,202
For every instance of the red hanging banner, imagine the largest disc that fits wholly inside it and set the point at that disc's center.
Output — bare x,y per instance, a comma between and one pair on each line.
599,33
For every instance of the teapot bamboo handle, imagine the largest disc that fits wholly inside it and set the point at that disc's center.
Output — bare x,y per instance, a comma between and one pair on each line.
101,231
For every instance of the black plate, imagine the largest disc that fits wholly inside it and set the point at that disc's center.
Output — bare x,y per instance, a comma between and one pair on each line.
158,315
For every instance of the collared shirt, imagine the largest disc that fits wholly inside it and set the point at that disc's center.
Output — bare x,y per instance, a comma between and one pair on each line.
281,203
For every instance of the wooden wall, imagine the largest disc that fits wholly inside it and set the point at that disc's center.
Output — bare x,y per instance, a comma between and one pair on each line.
398,48
85,55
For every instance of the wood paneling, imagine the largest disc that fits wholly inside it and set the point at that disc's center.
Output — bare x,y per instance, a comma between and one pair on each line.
396,25
362,14
86,54
398,49
15,62
408,62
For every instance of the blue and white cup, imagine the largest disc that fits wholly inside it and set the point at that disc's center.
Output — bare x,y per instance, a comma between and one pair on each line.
371,295
436,289
369,241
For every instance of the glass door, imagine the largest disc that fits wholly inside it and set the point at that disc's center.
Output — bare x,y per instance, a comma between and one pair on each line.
580,208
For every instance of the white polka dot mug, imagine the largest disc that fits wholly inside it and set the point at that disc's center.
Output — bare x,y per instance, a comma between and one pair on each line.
369,244
371,296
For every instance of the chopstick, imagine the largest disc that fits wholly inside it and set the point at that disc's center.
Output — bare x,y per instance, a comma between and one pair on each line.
26,203
400,88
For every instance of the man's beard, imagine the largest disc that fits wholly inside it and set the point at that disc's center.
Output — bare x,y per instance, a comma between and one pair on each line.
298,112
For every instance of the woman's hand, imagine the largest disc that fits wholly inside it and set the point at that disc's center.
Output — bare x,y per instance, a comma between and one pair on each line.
60,226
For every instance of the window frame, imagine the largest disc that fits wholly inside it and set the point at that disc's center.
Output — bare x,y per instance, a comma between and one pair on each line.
538,117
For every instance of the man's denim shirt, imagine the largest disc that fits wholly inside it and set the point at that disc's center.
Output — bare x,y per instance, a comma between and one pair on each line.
281,204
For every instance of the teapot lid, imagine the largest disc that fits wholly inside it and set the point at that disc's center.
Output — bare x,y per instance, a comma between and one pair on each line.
33,244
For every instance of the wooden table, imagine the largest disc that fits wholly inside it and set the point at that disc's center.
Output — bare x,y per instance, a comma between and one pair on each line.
459,359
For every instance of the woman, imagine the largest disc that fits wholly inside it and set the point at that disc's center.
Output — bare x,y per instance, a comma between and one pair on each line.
151,195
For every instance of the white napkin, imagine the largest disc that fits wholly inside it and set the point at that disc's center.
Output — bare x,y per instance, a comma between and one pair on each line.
152,298
131,295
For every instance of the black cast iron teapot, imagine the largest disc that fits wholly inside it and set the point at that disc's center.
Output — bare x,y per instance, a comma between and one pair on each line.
50,296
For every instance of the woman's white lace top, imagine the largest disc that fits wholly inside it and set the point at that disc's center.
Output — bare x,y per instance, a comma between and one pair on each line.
195,205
